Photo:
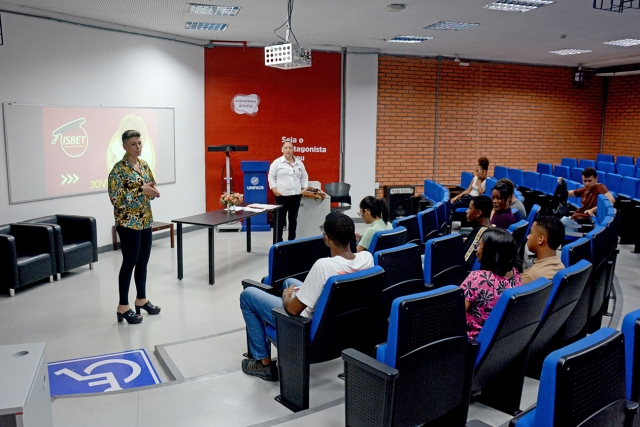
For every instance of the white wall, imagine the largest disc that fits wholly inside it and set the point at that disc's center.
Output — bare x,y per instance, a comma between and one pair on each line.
360,126
53,63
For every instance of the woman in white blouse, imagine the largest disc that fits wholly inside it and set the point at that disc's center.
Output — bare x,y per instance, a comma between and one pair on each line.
288,179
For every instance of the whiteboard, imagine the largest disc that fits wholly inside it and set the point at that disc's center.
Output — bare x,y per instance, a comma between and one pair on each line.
63,151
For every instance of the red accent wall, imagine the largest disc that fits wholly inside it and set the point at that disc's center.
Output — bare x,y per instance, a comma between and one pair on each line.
301,103
516,115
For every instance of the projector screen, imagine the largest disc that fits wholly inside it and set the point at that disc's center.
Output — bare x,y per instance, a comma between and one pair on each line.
55,151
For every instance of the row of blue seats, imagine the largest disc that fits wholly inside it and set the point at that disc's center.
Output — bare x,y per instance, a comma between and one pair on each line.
600,158
584,384
605,167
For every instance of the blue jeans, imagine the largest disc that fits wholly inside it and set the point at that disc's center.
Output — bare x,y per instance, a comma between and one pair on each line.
256,306
570,224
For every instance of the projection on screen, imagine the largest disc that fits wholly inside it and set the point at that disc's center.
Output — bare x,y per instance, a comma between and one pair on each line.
79,147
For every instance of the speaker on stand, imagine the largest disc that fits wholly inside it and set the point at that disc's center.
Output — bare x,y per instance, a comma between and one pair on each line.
399,200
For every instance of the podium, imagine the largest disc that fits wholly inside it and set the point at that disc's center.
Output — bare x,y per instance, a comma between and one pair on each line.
256,186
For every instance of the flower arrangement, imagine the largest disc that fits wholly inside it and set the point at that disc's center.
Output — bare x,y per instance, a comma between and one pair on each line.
229,200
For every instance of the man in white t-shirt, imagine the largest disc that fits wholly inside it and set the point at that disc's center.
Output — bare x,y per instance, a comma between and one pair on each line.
298,299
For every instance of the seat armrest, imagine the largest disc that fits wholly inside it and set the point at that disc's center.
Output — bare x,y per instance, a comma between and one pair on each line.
8,262
369,364
514,421
248,283
281,314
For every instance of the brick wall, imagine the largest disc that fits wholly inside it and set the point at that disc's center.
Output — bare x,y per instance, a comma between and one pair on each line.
622,119
516,115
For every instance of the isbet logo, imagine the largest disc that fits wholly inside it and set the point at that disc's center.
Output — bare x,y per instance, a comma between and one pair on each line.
73,138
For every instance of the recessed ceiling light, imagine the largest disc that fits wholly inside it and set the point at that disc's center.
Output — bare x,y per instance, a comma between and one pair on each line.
517,5
449,25
214,10
624,42
569,51
395,7
408,39
205,26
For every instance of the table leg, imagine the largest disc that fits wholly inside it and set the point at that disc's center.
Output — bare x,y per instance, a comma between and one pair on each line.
275,226
171,234
211,265
248,224
180,251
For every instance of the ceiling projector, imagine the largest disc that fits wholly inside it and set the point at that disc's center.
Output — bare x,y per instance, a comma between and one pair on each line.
287,56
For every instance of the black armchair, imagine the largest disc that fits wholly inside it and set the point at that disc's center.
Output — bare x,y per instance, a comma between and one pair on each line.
76,240
27,254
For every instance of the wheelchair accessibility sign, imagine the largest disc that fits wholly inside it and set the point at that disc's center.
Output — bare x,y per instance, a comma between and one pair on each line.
109,372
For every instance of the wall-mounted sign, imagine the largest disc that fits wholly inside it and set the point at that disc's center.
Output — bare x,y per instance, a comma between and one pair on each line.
245,104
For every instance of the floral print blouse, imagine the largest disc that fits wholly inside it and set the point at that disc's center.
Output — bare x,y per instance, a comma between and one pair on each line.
482,289
131,208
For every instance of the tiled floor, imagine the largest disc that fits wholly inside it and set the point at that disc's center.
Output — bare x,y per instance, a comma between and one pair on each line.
76,318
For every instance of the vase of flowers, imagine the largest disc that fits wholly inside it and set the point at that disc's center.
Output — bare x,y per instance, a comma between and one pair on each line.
231,200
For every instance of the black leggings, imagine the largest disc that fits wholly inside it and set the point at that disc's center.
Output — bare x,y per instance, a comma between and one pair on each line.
290,205
136,248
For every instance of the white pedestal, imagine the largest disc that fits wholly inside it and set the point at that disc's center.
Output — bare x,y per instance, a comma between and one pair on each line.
25,399
311,216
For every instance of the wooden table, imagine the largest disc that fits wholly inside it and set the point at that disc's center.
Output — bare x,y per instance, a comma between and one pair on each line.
213,219
156,226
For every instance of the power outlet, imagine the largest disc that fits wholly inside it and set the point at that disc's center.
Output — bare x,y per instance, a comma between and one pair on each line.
377,186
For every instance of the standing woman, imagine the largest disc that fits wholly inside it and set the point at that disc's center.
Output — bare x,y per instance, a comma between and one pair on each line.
288,179
131,188
374,212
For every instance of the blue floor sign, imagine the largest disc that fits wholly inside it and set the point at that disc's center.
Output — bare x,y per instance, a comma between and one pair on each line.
109,372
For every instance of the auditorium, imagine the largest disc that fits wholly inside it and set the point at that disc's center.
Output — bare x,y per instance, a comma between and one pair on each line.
398,101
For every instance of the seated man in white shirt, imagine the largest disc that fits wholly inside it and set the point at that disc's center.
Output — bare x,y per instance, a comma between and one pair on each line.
298,298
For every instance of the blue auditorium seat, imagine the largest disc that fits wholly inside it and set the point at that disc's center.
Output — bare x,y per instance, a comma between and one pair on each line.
489,183
518,230
504,340
562,171
585,163
385,239
629,187
568,285
516,176
292,259
531,180
631,331
576,174
569,162
444,261
614,182
583,384
577,324
428,222
627,170
624,160
500,172
422,375
604,158
403,276
465,179
606,167
443,218
545,168
413,228
344,314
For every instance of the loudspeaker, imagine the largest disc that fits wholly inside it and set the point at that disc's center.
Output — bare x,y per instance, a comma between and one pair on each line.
398,199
